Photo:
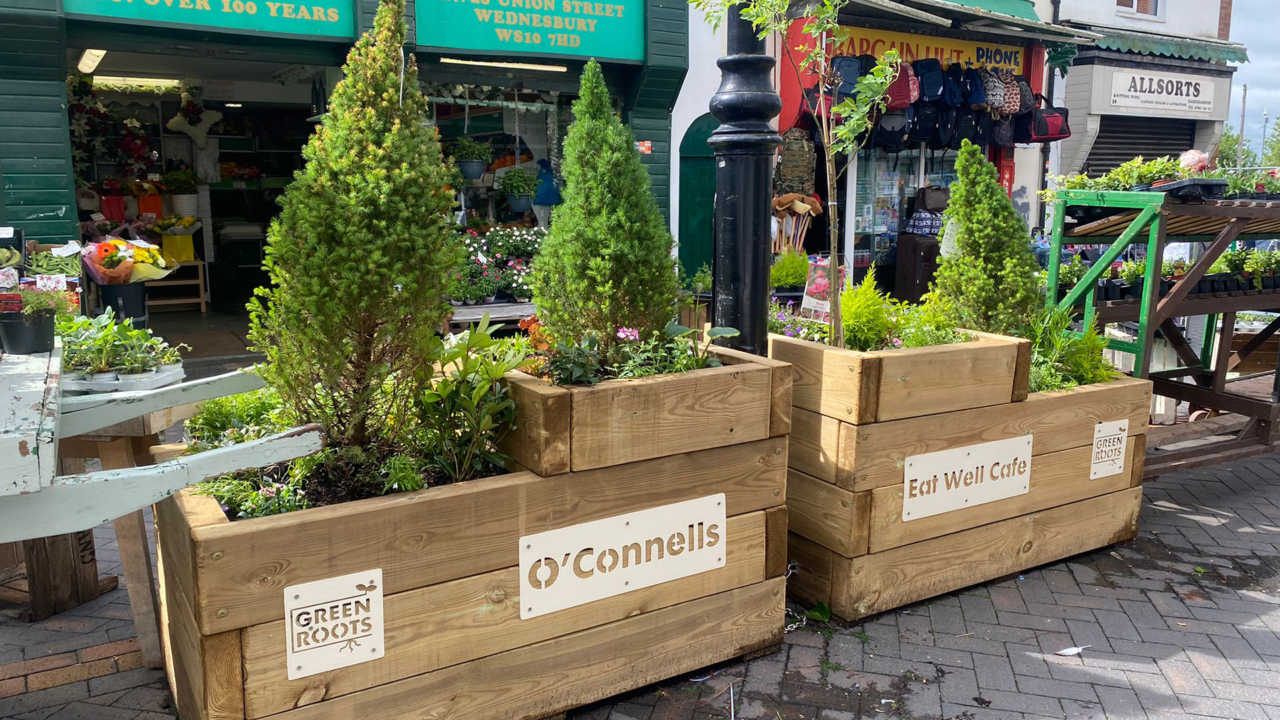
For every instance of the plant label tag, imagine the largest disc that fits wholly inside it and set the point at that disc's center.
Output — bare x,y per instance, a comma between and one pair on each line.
580,564
97,217
964,477
334,623
46,283
6,233
141,244
1110,440
71,248
153,177
237,184
149,216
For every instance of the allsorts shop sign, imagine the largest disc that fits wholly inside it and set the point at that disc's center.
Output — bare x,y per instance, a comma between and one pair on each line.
1163,91
328,18
580,564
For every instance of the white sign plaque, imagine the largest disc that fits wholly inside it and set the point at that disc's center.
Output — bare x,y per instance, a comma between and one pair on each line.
947,480
1109,445
334,623
1162,91
583,563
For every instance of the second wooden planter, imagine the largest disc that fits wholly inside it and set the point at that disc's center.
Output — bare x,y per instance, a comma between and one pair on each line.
461,638
945,473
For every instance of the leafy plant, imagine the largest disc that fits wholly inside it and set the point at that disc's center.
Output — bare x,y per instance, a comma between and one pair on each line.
464,148
1233,261
989,282
866,315
251,494
784,321
235,419
43,303
1070,274
606,263
1061,359
924,325
1133,272
791,269
180,182
360,254
466,410
510,243
1173,268
574,363
518,181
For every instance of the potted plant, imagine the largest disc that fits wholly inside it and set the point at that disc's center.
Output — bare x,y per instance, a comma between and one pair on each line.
472,157
1271,184
27,322
182,186
169,357
1133,274
1239,186
1070,274
427,422
789,272
519,184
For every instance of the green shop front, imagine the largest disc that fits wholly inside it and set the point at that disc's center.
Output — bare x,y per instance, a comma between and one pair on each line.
230,90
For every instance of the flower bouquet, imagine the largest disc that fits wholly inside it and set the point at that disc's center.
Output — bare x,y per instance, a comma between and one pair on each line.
175,240
118,262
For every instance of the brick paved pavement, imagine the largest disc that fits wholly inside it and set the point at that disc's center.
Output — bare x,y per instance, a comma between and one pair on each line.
1182,622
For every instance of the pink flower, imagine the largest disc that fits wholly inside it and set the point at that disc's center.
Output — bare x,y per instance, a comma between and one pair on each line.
628,334
268,492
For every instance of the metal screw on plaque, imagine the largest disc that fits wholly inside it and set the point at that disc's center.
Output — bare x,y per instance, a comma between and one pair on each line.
299,668
295,597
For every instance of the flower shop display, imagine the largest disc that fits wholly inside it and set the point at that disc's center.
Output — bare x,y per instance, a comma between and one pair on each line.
518,184
976,438
118,262
471,157
27,319
176,240
413,505
90,124
193,119
183,197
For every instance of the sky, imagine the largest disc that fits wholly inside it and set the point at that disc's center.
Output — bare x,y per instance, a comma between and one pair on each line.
1252,23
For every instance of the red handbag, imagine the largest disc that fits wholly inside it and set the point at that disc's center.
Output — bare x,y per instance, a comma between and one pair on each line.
1042,124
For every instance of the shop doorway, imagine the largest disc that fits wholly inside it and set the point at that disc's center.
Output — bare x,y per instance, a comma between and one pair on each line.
697,195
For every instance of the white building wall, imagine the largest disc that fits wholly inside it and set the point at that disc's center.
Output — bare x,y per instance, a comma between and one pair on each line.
1180,18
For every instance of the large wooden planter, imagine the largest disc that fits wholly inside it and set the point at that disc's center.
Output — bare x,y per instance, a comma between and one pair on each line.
455,643
847,479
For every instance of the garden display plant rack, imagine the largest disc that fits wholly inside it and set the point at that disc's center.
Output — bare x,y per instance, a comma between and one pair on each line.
1203,380
916,472
641,536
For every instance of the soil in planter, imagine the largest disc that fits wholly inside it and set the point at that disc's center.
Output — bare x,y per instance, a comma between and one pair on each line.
345,475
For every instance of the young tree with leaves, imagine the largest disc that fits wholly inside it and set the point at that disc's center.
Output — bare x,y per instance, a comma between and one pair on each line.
361,251
846,127
606,263
1229,155
988,280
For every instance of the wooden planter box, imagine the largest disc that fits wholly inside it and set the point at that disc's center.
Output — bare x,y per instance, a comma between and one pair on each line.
847,480
455,642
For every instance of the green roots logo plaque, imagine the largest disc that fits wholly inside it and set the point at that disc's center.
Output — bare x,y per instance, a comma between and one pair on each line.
567,28
327,18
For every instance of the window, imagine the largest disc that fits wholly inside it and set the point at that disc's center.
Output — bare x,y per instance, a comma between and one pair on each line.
1139,7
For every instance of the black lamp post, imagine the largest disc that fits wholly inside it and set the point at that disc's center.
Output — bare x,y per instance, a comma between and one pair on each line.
744,145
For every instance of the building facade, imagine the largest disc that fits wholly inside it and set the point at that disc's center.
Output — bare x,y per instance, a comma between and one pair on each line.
1158,81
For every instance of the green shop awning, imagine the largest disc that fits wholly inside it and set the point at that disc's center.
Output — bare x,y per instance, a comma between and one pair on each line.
1001,17
1168,46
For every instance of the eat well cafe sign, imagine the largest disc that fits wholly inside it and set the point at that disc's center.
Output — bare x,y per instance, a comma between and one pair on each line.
327,18
611,30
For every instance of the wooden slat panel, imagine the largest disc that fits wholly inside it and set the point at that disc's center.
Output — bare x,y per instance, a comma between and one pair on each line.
1056,479
838,383
832,517
455,531
814,567
443,625
927,381
540,680
872,456
775,558
878,582
814,447
540,439
780,403
622,421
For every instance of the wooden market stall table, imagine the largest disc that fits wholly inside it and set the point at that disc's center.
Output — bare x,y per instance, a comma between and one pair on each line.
37,425
467,315
1157,219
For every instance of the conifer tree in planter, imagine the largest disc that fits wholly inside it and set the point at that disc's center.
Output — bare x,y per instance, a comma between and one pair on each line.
606,262
360,255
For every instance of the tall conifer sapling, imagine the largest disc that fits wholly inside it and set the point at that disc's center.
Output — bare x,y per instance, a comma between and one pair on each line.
606,263
360,253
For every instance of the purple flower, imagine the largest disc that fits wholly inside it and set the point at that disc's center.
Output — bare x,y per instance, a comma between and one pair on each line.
628,334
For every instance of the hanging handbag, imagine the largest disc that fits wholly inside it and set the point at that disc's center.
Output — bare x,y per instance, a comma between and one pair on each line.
1042,124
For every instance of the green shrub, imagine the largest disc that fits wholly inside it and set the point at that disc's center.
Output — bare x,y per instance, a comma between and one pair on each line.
924,325
518,181
360,254
1070,274
464,148
180,182
1061,359
865,312
791,269
235,419
990,281
606,263
1133,271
